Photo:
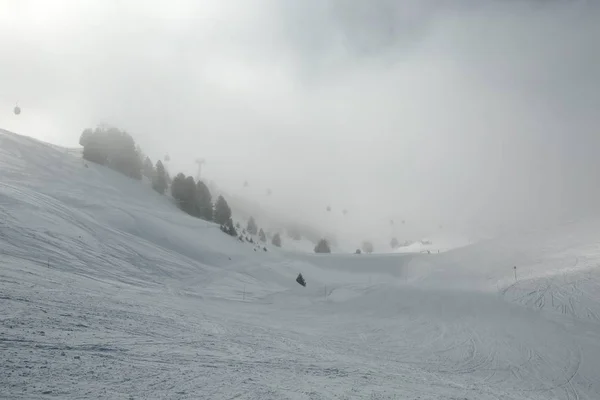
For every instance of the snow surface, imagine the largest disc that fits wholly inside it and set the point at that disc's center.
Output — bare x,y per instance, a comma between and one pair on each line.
107,290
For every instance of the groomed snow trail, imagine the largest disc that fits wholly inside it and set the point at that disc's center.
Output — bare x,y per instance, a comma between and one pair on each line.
107,290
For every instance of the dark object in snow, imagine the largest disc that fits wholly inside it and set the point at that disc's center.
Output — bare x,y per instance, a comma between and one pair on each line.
357,251
265,249
86,165
262,236
17,110
300,280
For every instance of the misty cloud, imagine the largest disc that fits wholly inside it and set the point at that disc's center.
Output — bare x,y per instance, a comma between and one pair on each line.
478,116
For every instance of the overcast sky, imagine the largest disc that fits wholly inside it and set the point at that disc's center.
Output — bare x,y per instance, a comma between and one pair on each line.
475,115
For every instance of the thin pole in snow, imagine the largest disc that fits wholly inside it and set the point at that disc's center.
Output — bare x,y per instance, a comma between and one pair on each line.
515,268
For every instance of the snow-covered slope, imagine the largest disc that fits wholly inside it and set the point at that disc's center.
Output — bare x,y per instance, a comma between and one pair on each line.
107,290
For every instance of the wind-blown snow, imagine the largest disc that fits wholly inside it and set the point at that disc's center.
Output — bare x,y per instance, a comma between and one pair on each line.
107,290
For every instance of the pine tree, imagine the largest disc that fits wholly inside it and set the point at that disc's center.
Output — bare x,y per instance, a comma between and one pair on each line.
189,201
148,169
184,191
300,280
177,187
322,247
222,211
228,228
262,236
204,201
394,244
367,247
276,240
159,179
252,228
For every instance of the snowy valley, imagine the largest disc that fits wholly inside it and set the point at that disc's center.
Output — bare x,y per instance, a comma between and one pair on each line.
108,290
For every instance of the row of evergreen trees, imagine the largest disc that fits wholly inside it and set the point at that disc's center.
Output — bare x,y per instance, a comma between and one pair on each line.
253,229
116,149
195,199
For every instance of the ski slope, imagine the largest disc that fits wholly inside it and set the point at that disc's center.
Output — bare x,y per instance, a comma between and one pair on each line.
108,291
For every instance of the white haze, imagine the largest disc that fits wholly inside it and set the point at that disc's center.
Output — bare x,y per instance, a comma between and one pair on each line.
479,116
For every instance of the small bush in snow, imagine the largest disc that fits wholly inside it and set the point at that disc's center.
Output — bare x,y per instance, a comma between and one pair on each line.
300,280
367,247
261,235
